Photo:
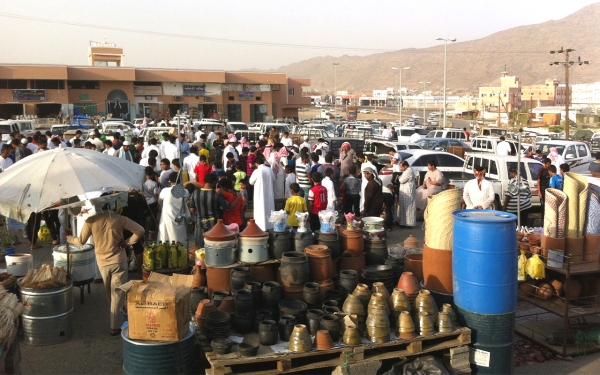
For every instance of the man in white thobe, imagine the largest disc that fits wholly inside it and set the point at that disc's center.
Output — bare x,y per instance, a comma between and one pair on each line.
365,164
168,229
263,179
190,163
479,192
503,147
170,149
230,148
331,198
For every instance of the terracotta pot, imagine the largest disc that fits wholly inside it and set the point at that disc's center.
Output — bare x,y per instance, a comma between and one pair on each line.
545,291
198,294
353,305
411,241
533,239
331,323
553,243
574,289
363,293
227,305
218,279
253,230
558,287
199,277
520,236
323,340
349,262
437,270
405,328
295,268
378,287
591,248
524,245
528,287
351,336
293,292
205,307
426,324
321,264
220,233
409,283
300,340
414,263
352,242
262,273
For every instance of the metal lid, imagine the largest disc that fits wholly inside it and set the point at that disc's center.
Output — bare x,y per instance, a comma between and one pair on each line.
73,248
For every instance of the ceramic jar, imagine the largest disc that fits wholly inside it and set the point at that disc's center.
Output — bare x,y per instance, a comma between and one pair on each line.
244,301
378,287
348,280
256,289
409,283
321,264
377,301
349,262
218,296
295,268
425,303
198,294
353,305
300,341
330,323
425,324
268,332
244,322
261,315
445,323
313,320
271,295
351,336
411,241
398,302
239,277
352,242
286,326
312,294
405,328
447,308
323,340
227,305
363,293
217,279
378,326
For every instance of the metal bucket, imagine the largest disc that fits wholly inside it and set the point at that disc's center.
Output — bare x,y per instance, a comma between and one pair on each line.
253,249
279,243
19,264
331,240
151,357
493,335
484,261
302,240
48,317
375,252
219,253
83,265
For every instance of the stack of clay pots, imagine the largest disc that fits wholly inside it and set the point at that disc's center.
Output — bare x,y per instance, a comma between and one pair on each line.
294,273
220,246
321,267
353,251
424,303
410,285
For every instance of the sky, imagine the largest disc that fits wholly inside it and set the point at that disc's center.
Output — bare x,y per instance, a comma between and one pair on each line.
256,34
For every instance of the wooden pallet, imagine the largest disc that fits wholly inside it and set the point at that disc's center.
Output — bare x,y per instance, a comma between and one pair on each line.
281,363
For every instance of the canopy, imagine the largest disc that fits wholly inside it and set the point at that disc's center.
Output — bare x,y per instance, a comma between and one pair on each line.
41,180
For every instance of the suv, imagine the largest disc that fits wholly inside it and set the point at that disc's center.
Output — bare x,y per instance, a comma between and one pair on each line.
448,133
404,133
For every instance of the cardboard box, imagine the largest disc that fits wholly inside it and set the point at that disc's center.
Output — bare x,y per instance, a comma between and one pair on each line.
160,309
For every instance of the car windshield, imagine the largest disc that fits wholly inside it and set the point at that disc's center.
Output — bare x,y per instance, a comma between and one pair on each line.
533,169
239,126
4,129
427,144
545,148
85,122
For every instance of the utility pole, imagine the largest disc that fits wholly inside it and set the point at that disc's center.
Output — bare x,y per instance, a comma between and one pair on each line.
445,46
567,64
335,65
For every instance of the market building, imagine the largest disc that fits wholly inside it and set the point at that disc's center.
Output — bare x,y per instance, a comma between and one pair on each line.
128,92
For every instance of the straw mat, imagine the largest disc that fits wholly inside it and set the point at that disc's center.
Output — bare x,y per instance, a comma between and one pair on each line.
576,188
592,223
555,213
439,222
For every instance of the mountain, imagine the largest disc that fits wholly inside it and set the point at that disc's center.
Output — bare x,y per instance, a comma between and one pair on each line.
524,50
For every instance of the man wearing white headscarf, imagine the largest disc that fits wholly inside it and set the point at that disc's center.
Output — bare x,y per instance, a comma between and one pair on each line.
229,147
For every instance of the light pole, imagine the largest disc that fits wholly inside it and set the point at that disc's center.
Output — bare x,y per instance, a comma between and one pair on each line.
567,64
424,83
335,65
445,46
399,102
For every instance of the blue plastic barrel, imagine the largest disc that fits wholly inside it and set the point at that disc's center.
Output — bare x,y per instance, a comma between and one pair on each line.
484,261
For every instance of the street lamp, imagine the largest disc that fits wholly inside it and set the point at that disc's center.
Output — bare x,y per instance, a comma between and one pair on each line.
424,83
445,46
400,102
567,64
335,65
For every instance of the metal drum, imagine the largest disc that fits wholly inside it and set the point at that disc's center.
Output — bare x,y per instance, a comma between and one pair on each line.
219,253
83,265
48,318
152,357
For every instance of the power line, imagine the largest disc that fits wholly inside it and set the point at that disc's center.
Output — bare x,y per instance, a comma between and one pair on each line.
247,42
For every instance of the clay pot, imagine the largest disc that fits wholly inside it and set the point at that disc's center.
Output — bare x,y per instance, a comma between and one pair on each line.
256,289
414,263
323,340
244,322
218,296
353,305
545,291
553,243
268,332
286,326
271,295
405,328
227,305
204,308
398,302
378,326
199,278
239,277
524,245
426,324
352,242
219,233
447,308
349,262
253,230
411,241
558,287
378,287
221,346
262,273
533,239
312,294
295,268
244,301
425,303
293,292
331,323
363,293
437,270
313,320
260,316
321,264
445,323
348,281
198,294
574,289
218,279
377,300
409,283
520,236
351,336
247,350
528,287
300,341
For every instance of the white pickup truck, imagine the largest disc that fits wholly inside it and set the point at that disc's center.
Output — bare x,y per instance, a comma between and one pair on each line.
497,172
576,154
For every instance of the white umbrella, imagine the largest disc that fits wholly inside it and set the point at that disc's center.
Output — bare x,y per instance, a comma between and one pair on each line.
41,180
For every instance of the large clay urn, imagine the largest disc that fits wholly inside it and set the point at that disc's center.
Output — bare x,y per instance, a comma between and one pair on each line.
219,233
409,283
321,264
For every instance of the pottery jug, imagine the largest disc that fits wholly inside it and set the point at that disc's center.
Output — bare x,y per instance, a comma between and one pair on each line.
351,336
300,340
286,326
268,332
405,328
256,289
313,320
312,294
330,323
239,277
295,268
348,281
363,293
261,315
271,295
244,301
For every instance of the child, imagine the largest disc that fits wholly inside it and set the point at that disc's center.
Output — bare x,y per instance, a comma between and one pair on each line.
388,200
151,190
293,204
202,169
317,200
220,175
218,167
244,192
230,167
234,213
239,174
351,191
564,168
290,178
556,180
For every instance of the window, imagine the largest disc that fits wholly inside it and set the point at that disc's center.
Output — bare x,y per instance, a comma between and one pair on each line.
48,84
582,150
570,151
422,161
231,98
448,160
513,165
258,98
84,85
455,143
147,83
13,84
493,168
291,91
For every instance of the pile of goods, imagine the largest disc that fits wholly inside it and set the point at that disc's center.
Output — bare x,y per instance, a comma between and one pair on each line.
47,276
10,310
7,279
159,256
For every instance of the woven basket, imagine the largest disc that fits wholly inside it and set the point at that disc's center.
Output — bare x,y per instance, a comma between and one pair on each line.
439,222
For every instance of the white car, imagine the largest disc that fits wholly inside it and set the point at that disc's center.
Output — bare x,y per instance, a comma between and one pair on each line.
364,111
576,154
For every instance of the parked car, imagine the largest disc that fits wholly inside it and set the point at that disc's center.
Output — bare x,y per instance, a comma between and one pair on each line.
490,145
405,133
154,132
364,111
440,144
448,133
576,154
234,126
382,148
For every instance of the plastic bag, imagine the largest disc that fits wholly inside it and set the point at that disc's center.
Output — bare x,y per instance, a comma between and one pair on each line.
279,220
521,274
349,219
302,218
44,233
327,218
535,268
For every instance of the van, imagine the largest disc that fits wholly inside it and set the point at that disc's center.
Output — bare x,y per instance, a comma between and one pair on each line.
448,133
25,127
